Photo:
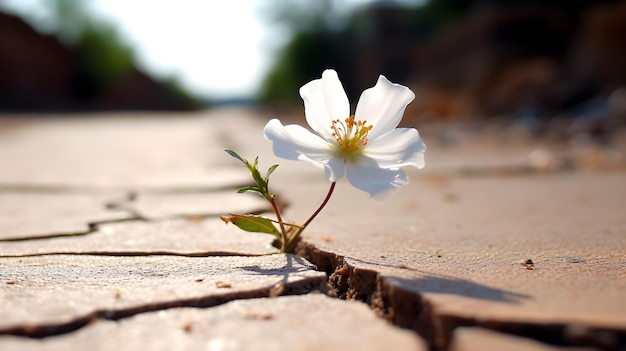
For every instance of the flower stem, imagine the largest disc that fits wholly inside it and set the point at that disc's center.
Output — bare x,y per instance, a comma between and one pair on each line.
330,192
279,218
289,245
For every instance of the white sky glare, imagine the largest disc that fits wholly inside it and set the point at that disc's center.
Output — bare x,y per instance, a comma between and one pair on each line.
213,47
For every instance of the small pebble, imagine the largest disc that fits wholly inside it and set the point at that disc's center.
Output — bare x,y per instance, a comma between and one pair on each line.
529,264
221,284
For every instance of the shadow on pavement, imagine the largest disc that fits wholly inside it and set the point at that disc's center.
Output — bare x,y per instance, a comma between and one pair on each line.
439,284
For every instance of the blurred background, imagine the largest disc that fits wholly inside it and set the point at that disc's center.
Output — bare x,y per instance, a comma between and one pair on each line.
528,61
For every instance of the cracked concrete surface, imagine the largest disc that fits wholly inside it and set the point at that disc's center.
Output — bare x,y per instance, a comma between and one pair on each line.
256,324
483,339
192,236
109,227
41,214
53,293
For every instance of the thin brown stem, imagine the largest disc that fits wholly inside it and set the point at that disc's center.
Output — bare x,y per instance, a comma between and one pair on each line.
279,218
288,246
319,209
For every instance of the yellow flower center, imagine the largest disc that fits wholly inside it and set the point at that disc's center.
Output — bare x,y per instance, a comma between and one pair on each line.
351,137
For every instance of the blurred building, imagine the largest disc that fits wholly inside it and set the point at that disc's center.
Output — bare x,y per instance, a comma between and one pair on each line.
469,58
540,57
38,73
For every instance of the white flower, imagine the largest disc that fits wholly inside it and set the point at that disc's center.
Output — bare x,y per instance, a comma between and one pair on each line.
366,147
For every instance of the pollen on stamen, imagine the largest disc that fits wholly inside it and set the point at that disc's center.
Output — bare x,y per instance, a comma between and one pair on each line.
351,135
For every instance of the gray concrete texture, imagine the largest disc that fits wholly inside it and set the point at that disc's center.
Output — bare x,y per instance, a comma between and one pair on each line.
110,226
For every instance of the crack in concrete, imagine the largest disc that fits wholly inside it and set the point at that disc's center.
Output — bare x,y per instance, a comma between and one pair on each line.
92,227
138,254
560,334
401,307
134,216
304,286
126,205
73,189
410,310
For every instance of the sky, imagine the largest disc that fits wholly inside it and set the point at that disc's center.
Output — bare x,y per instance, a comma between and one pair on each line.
215,49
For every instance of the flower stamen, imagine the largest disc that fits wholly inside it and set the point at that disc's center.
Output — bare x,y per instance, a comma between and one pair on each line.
351,136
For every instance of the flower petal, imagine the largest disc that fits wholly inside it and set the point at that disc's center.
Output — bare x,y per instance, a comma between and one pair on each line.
383,106
324,101
335,169
376,181
398,148
294,142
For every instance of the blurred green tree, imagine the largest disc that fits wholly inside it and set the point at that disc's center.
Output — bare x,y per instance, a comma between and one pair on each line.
104,57
326,35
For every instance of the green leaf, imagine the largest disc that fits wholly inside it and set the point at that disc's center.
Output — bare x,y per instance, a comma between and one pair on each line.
254,170
252,223
236,155
248,188
269,172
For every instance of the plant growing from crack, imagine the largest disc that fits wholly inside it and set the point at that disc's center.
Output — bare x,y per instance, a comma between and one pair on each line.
287,234
365,147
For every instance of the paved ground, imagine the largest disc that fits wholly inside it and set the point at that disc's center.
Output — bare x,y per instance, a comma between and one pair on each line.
110,238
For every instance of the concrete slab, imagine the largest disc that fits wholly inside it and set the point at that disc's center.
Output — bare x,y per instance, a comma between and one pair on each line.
310,322
173,205
192,236
460,248
54,294
466,339
36,214
449,250
495,148
117,151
